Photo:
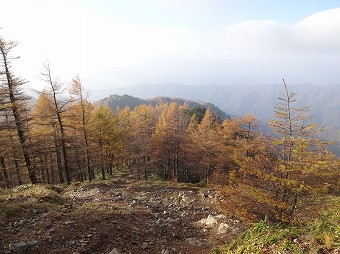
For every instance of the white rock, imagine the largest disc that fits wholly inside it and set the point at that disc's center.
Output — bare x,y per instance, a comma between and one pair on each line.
210,221
145,245
220,216
69,222
114,251
165,251
222,228
33,243
22,222
194,242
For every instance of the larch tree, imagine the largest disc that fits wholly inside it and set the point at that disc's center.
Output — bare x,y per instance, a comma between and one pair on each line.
77,90
141,133
168,140
107,137
276,171
122,127
300,152
16,101
55,90
45,133
240,137
206,142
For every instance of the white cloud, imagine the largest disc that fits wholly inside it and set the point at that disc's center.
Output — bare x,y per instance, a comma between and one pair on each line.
77,40
320,32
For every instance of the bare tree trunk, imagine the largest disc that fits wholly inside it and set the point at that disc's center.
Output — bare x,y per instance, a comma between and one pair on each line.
16,164
63,146
17,170
3,165
46,166
52,168
59,164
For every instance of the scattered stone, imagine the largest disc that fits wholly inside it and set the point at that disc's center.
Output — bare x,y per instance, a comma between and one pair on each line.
114,251
237,231
220,216
69,222
51,230
133,203
22,246
18,247
223,228
208,222
145,245
49,239
194,242
32,243
165,251
21,222
171,216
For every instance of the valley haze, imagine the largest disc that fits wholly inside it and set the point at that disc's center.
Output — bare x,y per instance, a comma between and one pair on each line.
239,99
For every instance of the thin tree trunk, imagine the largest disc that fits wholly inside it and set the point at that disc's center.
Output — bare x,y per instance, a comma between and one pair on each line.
42,170
16,164
87,153
17,170
17,118
60,124
111,164
52,168
59,164
80,166
3,165
46,166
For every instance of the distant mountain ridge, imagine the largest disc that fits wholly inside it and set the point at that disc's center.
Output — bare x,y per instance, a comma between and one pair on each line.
121,101
259,100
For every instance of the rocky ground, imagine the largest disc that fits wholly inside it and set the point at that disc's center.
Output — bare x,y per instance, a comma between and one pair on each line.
124,216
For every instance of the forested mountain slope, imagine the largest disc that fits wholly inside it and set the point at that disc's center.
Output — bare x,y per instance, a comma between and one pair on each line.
258,100
121,101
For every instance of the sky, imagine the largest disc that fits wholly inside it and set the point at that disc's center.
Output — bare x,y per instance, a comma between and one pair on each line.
128,42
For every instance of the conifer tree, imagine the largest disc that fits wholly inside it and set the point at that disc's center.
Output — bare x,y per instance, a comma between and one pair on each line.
168,140
45,133
55,90
141,132
16,101
78,91
298,148
277,171
207,145
108,138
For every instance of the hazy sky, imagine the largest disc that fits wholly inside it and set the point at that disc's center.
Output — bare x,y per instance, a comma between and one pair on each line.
176,41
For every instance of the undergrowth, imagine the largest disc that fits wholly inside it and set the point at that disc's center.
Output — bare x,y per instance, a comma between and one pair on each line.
321,235
23,199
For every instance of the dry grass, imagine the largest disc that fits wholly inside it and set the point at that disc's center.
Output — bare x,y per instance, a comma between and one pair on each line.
23,199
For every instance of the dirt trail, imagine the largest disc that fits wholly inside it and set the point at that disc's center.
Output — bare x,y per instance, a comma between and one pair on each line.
126,216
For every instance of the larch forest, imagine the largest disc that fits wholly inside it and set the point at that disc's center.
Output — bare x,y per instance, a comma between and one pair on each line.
274,180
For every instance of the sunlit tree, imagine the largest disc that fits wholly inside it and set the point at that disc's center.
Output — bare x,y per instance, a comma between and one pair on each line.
15,100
